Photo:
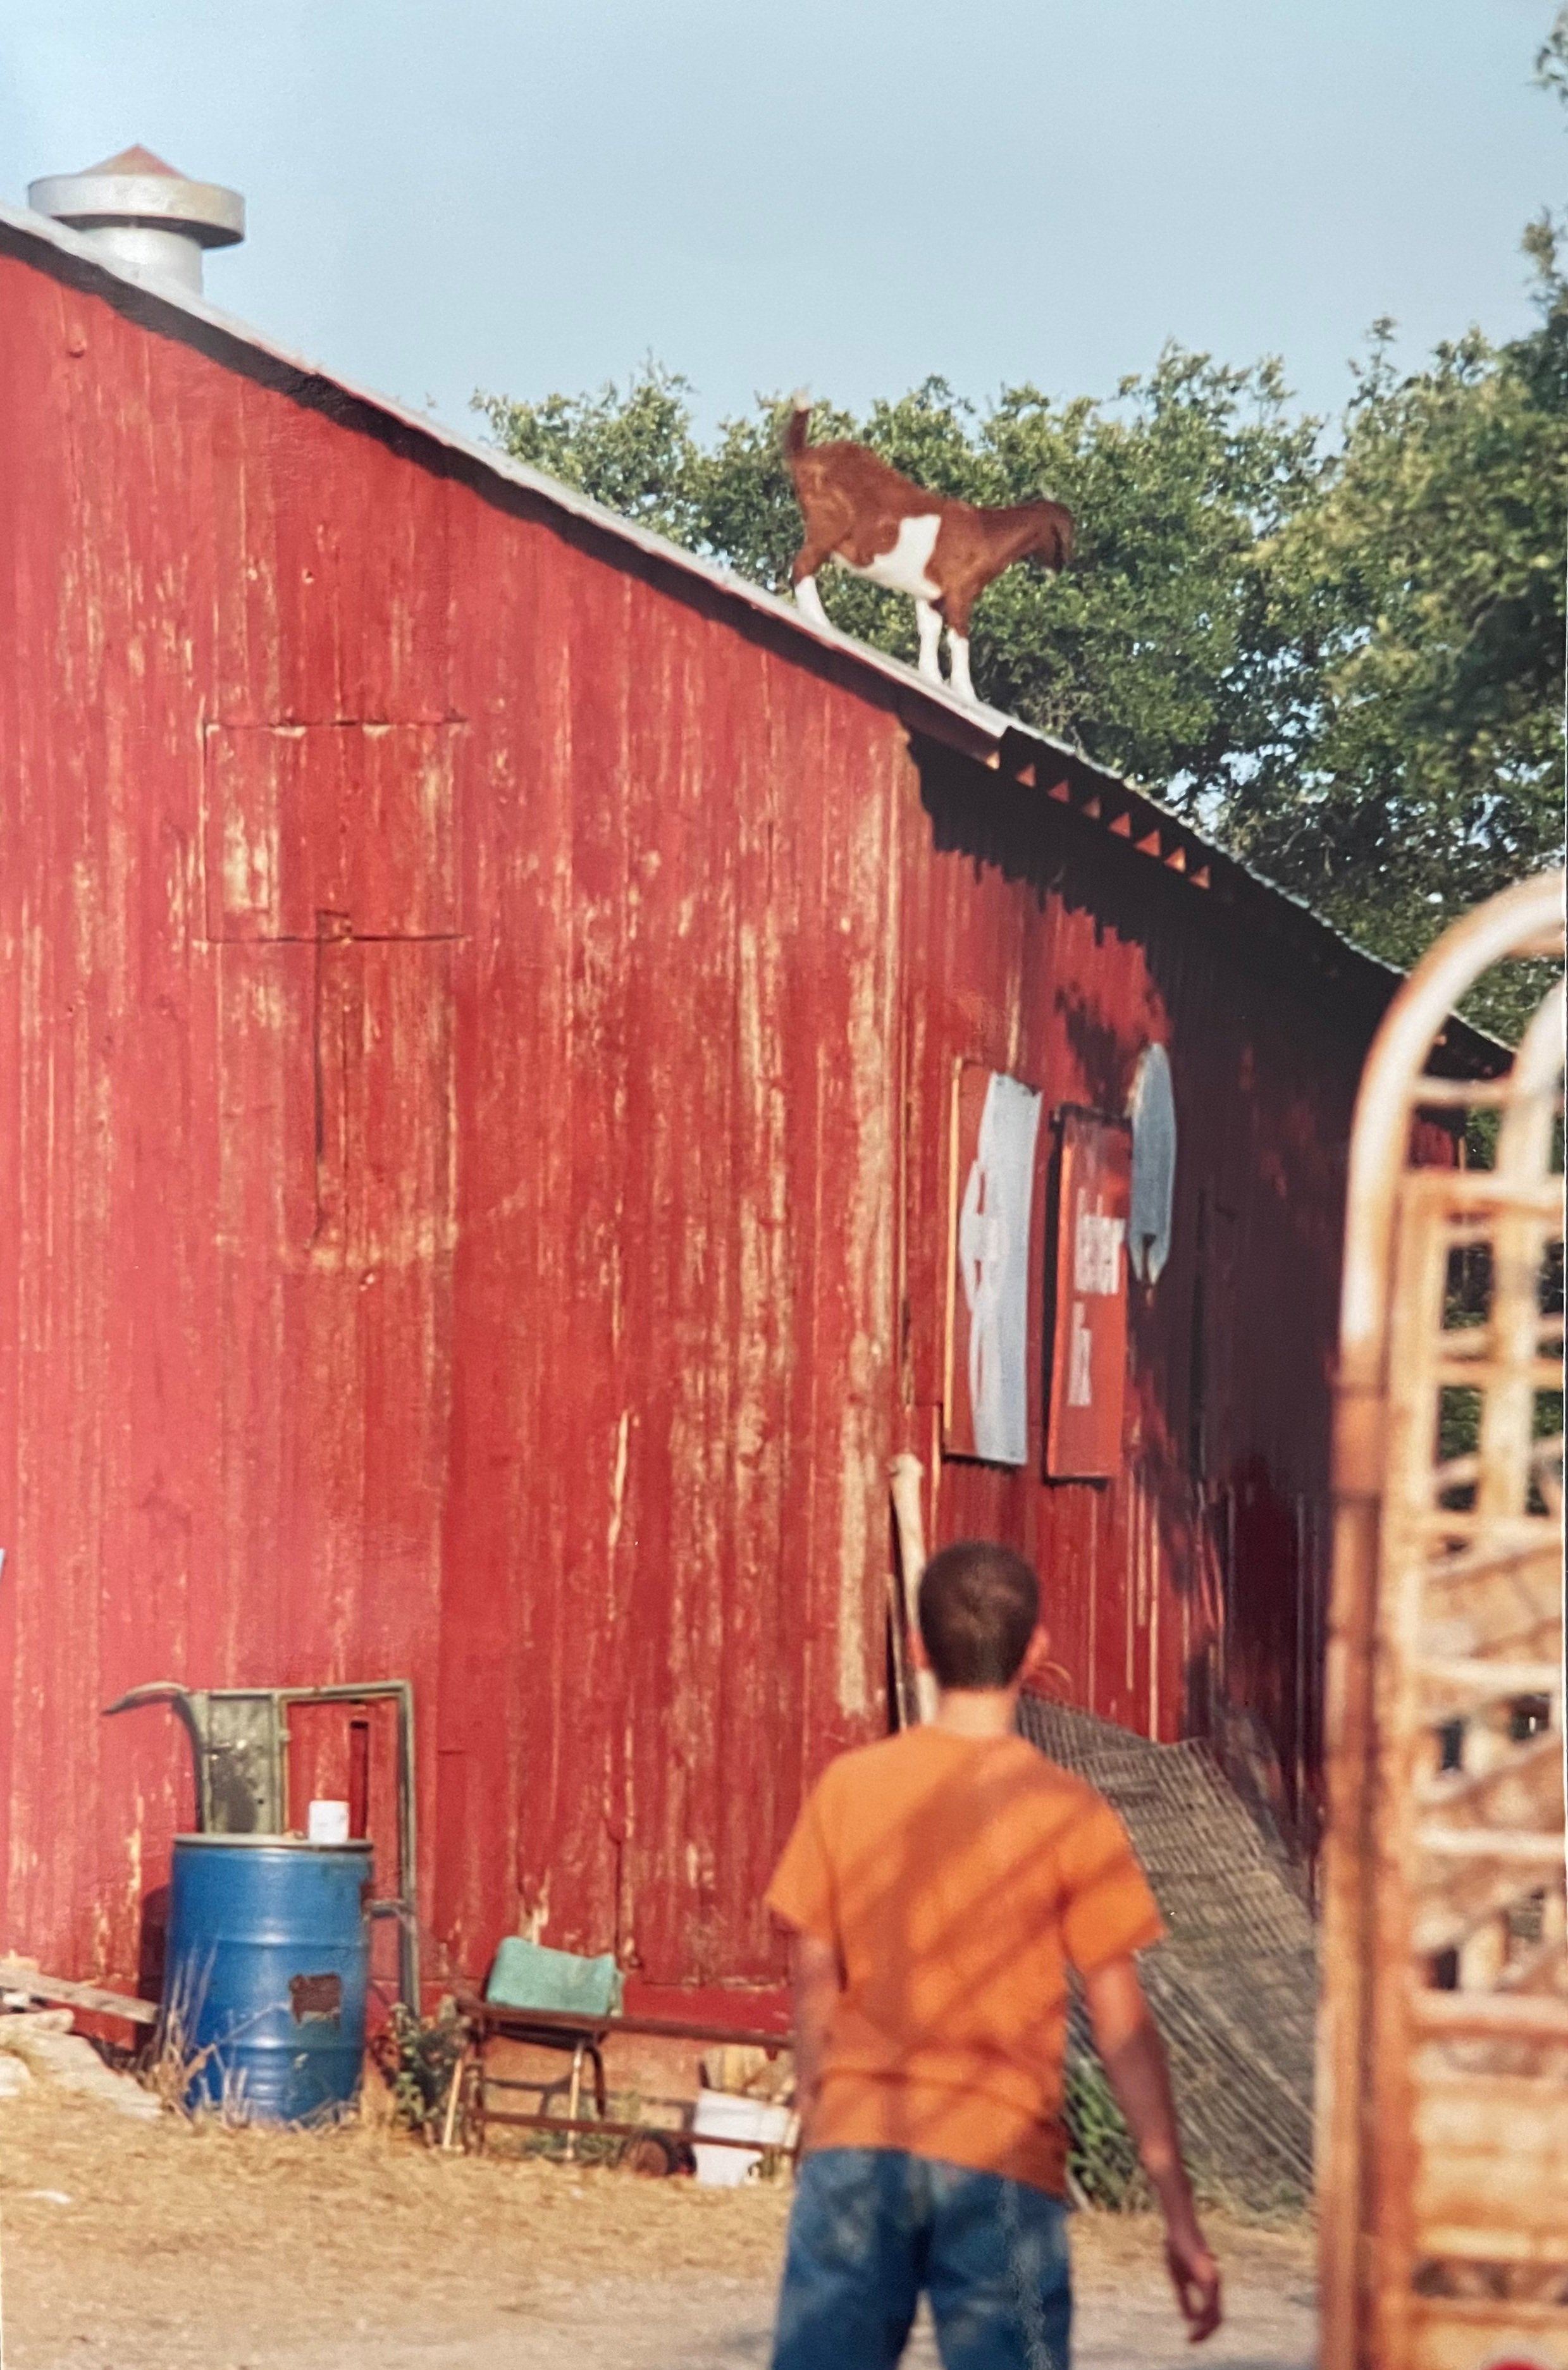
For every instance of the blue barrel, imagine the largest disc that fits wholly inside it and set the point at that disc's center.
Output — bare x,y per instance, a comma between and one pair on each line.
265,1974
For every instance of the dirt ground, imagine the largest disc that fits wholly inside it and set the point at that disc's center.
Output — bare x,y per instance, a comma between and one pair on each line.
167,2246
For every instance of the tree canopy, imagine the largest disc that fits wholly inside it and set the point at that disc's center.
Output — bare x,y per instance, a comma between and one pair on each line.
1341,652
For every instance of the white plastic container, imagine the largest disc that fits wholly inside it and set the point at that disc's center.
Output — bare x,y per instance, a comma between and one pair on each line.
328,1822
726,2115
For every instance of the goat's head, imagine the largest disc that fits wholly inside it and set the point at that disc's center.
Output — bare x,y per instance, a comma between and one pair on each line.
1052,540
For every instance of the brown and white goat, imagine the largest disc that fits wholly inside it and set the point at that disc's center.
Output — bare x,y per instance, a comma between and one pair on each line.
861,512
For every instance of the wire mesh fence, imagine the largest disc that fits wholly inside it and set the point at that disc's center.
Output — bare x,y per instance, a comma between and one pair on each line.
1235,1987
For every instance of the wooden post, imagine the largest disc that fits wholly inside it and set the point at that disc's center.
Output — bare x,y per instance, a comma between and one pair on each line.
905,1474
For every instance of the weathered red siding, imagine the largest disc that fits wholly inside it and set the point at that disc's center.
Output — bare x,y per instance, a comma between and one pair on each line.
477,1018
1190,1591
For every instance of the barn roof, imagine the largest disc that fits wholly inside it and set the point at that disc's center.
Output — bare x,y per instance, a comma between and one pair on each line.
1150,831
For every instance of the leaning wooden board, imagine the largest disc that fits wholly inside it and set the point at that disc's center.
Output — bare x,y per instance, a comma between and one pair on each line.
87,1996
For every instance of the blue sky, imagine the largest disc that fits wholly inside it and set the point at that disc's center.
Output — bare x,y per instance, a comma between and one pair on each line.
830,191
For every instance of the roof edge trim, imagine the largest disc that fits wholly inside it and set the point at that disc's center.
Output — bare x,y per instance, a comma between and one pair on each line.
986,734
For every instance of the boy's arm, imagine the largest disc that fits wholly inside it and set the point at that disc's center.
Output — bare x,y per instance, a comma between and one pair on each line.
814,1977
1134,2058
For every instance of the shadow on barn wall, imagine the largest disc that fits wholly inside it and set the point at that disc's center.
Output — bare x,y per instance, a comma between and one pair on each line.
1226,1422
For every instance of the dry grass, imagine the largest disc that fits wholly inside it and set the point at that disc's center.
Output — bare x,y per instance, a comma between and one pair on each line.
177,2228
181,2241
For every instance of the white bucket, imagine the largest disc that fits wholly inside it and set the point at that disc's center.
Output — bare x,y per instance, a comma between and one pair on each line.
328,1822
726,2115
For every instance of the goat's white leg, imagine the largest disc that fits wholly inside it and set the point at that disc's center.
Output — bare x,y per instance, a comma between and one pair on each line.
808,600
957,664
929,625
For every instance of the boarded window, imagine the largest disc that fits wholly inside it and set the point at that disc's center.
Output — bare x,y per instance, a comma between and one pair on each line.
1152,1109
995,1124
353,820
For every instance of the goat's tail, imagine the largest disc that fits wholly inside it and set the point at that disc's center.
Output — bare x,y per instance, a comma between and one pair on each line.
795,426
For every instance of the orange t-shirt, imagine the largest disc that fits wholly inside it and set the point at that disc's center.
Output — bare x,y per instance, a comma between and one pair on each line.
957,1878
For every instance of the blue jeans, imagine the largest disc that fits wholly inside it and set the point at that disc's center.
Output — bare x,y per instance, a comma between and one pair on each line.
870,2227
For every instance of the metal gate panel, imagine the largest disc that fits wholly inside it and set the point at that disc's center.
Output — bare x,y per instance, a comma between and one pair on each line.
1444,2078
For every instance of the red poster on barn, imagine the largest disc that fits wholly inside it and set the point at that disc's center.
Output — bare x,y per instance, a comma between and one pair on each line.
1089,1363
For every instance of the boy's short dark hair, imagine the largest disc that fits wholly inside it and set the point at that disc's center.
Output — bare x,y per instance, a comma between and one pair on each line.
979,1606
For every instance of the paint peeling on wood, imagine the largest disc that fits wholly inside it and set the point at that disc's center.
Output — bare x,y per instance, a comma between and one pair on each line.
475,1043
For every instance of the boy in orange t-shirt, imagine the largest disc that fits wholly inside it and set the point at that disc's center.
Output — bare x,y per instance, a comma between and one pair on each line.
937,1887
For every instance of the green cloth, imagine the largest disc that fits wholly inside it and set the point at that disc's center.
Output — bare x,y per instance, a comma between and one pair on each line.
527,1976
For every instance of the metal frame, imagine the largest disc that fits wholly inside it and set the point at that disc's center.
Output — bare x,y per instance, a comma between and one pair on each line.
487,2020
1443,2044
239,1738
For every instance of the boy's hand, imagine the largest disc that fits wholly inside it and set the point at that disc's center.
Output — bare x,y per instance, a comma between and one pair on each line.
1194,2274
1130,2048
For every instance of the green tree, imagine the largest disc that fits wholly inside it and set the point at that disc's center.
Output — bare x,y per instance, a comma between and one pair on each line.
1420,592
633,452
1154,651
1343,655
1551,58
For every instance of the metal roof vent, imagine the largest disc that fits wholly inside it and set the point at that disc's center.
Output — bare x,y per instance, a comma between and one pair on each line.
141,211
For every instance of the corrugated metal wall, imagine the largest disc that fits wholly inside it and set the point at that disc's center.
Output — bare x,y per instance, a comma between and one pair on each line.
1189,1594
476,1028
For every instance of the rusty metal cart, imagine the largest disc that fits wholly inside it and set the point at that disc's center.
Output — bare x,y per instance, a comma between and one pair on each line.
470,2113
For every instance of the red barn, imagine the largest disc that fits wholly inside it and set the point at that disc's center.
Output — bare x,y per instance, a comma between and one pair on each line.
481,1000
